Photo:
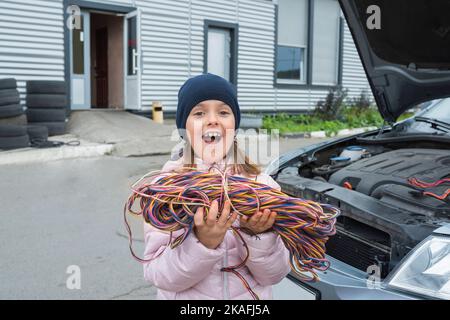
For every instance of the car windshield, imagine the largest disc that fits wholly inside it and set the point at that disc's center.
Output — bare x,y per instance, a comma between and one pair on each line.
440,111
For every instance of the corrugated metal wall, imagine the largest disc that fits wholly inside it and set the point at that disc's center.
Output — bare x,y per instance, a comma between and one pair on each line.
32,47
165,35
172,42
31,40
354,77
256,55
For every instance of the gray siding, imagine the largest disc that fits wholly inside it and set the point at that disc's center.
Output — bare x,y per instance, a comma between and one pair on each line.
32,47
353,77
165,35
256,55
31,41
172,43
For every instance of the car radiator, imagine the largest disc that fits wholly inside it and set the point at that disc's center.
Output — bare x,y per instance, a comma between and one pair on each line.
360,246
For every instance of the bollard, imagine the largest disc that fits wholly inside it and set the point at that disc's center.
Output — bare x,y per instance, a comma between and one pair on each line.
157,113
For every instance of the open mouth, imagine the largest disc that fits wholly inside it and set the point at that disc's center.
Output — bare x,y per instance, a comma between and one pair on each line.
212,137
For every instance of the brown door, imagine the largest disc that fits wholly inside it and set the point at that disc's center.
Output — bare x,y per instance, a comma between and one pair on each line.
101,69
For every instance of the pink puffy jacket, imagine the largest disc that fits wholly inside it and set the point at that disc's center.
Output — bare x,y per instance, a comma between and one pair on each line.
192,271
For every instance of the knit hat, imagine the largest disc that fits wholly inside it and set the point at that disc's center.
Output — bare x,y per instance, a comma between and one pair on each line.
201,88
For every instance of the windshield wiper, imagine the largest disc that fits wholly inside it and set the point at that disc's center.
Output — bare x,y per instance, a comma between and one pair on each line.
435,124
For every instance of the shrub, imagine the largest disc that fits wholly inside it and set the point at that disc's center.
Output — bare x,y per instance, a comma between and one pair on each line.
331,107
362,102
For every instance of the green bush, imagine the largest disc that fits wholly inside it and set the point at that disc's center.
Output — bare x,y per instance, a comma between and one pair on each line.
351,117
362,101
332,106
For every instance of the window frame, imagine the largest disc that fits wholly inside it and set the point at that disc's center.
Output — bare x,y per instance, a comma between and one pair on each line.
303,78
309,61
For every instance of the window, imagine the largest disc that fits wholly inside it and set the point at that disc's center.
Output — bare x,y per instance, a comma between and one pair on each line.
308,42
292,46
78,48
290,63
325,46
219,54
132,46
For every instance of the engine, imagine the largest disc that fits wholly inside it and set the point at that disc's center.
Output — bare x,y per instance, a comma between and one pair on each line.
386,214
386,176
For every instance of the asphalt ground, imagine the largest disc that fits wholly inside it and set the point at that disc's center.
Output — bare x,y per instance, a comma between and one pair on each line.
61,219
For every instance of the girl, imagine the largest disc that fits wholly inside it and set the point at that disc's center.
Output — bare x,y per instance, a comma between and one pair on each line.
207,118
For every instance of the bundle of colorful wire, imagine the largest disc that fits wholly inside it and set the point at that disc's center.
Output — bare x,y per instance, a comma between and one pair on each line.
426,185
170,201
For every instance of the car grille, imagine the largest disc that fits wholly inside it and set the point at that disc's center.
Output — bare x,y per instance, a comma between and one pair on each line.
360,249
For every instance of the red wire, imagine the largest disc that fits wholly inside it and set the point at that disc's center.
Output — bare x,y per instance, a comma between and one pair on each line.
440,197
425,185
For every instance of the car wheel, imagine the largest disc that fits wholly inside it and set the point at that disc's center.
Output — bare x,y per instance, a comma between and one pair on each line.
38,100
54,87
18,120
9,130
46,115
9,96
8,83
54,128
8,143
9,111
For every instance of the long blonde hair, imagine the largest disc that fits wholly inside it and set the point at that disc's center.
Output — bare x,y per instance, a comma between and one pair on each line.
247,168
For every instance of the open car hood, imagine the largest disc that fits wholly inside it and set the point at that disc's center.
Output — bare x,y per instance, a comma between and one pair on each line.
404,46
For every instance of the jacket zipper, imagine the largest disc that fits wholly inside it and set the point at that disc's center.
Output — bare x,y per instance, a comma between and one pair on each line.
226,295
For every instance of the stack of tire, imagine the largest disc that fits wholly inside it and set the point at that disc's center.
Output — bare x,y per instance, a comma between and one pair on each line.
13,130
13,137
11,112
47,105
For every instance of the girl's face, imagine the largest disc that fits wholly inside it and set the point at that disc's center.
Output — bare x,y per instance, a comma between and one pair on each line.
210,129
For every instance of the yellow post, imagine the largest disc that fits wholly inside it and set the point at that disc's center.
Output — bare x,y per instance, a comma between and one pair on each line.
157,113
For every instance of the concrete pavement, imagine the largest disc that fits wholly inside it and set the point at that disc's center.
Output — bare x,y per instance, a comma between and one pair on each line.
131,135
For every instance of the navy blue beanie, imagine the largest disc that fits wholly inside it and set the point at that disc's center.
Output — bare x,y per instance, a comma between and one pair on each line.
205,87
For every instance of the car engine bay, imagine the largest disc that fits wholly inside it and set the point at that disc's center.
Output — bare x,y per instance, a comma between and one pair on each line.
384,214
384,176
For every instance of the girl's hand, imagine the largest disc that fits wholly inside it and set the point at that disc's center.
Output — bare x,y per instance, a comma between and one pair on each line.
259,222
211,230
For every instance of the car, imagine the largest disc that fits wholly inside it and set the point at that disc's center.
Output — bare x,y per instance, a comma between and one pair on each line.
392,185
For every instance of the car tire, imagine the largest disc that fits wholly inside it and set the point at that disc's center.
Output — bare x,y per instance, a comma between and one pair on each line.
53,87
9,111
9,96
8,143
46,115
38,100
8,83
18,120
10,130
54,128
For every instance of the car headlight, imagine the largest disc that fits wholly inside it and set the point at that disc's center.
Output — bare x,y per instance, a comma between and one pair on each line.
426,270
272,167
